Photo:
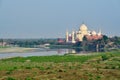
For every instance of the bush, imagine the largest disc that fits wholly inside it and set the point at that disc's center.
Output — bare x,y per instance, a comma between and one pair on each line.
42,68
28,78
105,57
28,67
9,72
106,67
10,78
113,67
98,77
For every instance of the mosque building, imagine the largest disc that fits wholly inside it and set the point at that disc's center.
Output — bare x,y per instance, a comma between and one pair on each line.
83,31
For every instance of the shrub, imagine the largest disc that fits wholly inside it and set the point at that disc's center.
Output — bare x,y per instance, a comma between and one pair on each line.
28,67
59,76
10,78
42,68
106,67
48,68
28,78
98,77
9,72
15,67
105,57
113,67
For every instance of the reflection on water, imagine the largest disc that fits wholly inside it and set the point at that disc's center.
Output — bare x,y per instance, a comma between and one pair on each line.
69,51
39,52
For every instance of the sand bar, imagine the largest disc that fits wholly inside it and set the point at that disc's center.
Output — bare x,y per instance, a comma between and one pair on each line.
16,49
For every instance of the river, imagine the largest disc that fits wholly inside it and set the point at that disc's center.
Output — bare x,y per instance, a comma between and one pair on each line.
38,52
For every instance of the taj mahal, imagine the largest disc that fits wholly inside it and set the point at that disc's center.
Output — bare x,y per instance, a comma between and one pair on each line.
83,31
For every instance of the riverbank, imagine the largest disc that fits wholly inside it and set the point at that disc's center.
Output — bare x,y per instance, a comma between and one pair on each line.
102,66
16,50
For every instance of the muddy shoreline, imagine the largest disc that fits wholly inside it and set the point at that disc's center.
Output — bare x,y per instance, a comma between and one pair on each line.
17,49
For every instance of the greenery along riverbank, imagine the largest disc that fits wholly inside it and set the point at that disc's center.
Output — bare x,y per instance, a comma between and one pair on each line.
99,66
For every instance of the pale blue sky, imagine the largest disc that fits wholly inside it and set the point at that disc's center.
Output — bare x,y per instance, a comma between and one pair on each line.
51,18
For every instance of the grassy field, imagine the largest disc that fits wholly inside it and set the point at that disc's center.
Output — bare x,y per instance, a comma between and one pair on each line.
99,66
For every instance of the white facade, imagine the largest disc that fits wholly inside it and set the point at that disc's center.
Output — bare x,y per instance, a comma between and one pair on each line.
78,35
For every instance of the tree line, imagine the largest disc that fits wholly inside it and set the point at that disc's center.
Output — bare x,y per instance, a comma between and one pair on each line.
28,42
104,44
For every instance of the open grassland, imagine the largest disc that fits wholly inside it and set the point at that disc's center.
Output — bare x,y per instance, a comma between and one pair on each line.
99,66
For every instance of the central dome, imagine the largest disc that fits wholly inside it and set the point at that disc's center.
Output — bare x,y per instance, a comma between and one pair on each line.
83,27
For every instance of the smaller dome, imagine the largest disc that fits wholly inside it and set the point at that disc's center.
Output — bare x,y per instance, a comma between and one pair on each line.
89,34
83,27
99,34
94,33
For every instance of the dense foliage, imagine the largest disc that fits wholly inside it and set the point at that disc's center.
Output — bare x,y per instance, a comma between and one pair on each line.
104,44
28,42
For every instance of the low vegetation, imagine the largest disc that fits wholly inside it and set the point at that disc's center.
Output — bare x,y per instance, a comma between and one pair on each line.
97,66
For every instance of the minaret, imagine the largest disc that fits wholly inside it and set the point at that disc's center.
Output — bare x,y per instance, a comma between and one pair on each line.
99,33
73,37
67,35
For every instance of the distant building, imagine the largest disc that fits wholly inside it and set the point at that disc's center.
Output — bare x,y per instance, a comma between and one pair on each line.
3,43
60,40
81,33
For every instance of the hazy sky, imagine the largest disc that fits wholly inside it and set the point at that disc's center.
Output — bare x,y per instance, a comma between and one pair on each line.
51,18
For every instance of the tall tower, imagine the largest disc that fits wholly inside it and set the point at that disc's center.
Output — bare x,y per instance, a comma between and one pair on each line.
99,33
67,36
73,37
